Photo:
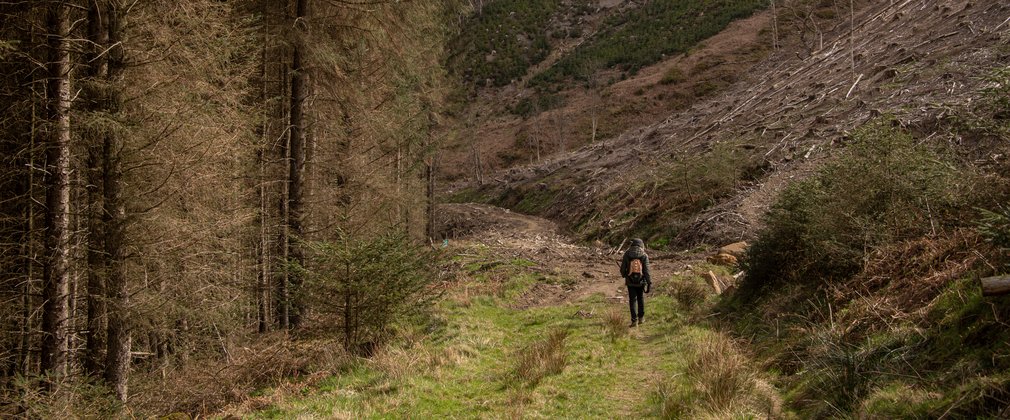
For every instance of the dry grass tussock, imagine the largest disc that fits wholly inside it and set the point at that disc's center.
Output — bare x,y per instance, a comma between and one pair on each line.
615,322
540,359
688,293
722,383
399,362
207,387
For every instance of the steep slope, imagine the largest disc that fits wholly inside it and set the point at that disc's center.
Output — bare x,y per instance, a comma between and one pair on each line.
915,59
526,106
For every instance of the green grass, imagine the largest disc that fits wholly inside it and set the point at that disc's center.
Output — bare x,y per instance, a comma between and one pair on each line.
483,338
474,358
464,364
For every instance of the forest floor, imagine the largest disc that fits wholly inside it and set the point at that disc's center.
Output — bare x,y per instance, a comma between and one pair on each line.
486,351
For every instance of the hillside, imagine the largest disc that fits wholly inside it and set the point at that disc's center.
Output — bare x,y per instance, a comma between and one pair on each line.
794,109
534,93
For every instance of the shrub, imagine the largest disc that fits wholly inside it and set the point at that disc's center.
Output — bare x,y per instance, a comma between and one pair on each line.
52,398
994,226
209,384
700,181
886,188
673,76
370,284
534,105
705,88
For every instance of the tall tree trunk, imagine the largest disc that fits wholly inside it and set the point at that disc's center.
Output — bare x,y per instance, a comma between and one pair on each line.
26,364
56,261
276,86
296,163
117,363
97,71
262,154
263,257
429,179
429,176
94,337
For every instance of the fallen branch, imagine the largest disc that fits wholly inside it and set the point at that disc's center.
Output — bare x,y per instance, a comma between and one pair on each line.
854,86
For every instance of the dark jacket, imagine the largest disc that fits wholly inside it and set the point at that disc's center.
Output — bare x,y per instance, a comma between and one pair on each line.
637,251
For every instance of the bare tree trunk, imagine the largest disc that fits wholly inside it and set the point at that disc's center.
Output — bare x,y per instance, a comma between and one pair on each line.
26,365
397,182
276,106
117,364
56,262
263,257
281,138
96,312
299,87
283,306
263,247
429,177
97,71
852,35
478,173
561,133
775,26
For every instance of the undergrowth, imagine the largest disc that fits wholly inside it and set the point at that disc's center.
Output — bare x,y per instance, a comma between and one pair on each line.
861,290
887,188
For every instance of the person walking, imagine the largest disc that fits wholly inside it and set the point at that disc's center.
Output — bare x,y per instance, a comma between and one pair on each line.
635,270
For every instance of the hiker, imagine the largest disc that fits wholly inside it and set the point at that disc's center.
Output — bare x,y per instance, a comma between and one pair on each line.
635,270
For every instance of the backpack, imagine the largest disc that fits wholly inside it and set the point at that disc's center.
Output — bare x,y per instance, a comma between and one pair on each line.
635,272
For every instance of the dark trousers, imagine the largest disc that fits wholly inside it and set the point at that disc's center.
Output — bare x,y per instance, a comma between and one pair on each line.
636,295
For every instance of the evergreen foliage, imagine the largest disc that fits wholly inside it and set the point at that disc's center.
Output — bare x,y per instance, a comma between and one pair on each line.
502,41
644,35
370,284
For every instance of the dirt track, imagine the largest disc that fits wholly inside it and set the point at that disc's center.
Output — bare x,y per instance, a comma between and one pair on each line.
514,235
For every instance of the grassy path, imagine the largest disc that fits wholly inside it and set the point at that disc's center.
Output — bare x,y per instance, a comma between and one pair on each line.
486,351
466,368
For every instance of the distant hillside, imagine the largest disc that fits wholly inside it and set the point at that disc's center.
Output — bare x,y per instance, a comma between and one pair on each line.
637,37
504,38
548,76
726,156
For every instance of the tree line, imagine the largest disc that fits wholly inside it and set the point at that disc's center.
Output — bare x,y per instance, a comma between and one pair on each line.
170,169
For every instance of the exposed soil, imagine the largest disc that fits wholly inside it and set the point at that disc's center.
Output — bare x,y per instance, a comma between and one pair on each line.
513,235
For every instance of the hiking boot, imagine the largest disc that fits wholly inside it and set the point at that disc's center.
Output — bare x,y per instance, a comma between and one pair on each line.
633,323
640,321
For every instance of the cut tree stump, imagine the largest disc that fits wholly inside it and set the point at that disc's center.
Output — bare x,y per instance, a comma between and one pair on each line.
995,286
